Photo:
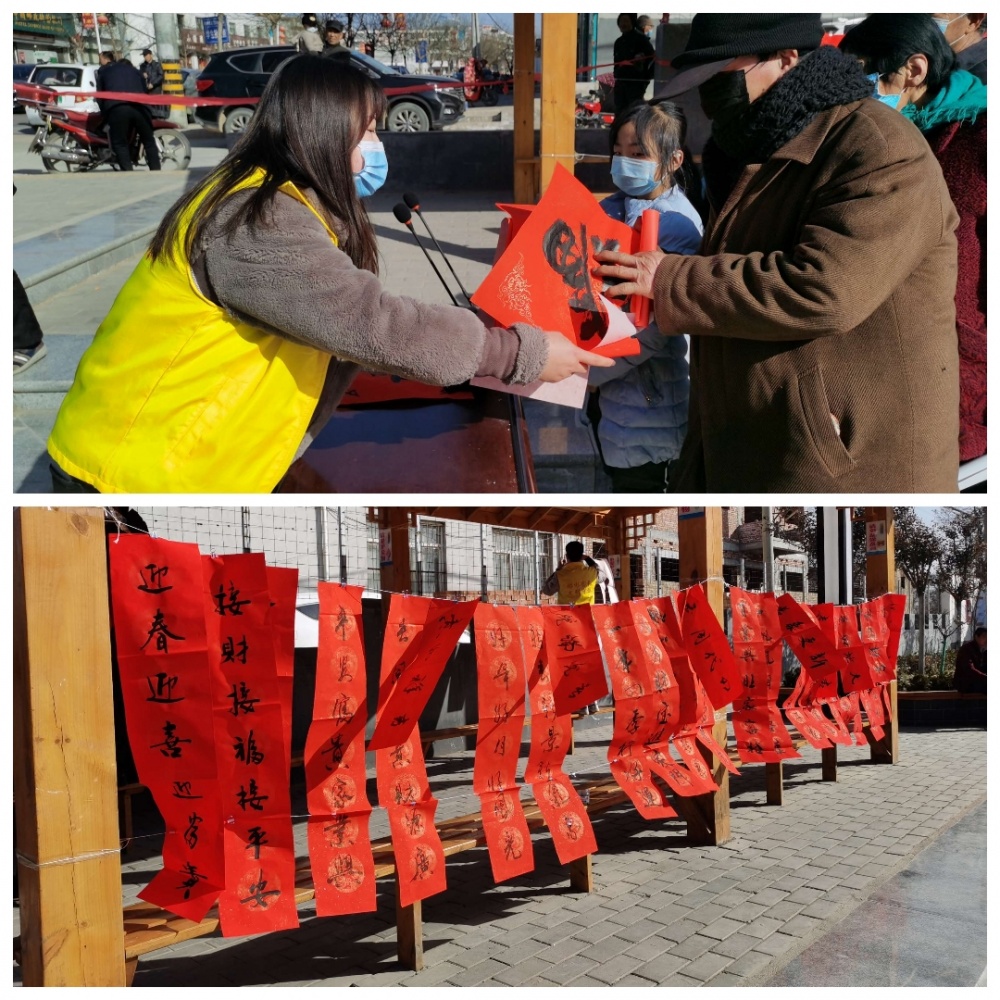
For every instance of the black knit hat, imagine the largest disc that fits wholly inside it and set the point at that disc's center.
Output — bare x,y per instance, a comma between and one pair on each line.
726,36
717,39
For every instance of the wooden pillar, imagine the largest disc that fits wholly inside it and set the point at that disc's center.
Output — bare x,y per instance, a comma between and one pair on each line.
699,531
409,933
880,574
558,138
65,781
829,763
525,162
395,575
619,544
774,778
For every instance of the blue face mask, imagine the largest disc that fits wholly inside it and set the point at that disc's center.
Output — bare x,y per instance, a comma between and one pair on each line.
375,170
634,177
889,100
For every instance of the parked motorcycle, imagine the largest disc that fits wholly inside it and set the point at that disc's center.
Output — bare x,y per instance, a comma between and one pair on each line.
589,113
76,140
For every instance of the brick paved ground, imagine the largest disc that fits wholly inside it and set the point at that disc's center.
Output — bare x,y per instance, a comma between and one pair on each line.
661,912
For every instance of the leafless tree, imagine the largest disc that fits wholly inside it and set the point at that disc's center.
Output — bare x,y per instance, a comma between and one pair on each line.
919,548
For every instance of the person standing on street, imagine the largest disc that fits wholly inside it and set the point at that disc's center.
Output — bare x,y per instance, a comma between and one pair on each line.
28,346
970,665
152,76
633,63
308,39
333,40
821,306
120,116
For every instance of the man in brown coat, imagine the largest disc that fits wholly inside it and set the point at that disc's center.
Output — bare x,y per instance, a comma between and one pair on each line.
821,307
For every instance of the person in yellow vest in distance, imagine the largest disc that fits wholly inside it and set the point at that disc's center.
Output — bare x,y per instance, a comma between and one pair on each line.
258,301
575,582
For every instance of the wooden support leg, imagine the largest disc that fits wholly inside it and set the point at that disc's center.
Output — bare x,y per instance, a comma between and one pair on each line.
409,933
710,826
774,776
886,750
572,737
130,967
829,757
581,875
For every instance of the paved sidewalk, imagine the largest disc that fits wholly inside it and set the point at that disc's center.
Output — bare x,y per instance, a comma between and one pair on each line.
662,912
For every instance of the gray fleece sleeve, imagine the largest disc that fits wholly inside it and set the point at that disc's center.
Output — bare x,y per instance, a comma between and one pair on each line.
287,276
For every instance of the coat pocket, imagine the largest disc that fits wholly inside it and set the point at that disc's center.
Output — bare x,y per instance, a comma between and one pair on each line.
816,413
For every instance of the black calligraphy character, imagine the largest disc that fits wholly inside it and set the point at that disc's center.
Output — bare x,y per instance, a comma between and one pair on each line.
635,722
336,752
699,638
663,713
258,897
171,745
251,797
159,629
747,704
500,747
399,720
755,746
495,782
398,757
777,745
792,626
635,772
752,728
233,651
503,673
551,740
564,619
570,643
711,659
249,753
724,683
340,710
654,616
566,254
338,830
161,691
345,669
749,656
578,690
624,661
233,605
340,792
855,677
182,790
749,681
242,702
743,608
155,585
421,864
401,631
191,833
193,877
448,623
746,633
511,845
625,749
342,622
766,635
415,684
806,641
572,827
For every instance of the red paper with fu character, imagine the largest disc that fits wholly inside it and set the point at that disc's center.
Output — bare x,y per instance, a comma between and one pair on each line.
545,274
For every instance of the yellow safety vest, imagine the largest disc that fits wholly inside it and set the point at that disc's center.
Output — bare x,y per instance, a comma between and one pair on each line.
577,582
174,395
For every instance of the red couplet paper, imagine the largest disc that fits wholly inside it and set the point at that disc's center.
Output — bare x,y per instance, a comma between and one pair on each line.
645,709
761,736
420,635
545,276
502,682
855,674
282,585
649,234
810,639
377,387
162,652
573,657
708,648
560,804
253,769
340,849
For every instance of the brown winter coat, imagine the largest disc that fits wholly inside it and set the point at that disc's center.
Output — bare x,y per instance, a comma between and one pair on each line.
825,286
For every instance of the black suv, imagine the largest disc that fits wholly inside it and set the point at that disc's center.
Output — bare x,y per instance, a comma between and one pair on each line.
244,73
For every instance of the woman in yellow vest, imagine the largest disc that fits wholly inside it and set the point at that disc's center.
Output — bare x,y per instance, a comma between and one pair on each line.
237,334
575,582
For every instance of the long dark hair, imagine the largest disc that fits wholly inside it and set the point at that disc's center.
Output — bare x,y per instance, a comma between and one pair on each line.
883,42
312,114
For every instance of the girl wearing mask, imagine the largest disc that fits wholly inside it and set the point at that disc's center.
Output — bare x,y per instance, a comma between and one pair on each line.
236,336
914,70
639,409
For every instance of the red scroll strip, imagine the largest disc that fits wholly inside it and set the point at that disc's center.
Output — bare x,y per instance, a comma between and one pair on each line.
502,682
559,802
573,657
340,848
761,736
282,585
156,600
855,675
420,635
253,773
708,648
644,707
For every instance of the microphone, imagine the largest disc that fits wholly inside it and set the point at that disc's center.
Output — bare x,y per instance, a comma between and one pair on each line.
414,202
404,215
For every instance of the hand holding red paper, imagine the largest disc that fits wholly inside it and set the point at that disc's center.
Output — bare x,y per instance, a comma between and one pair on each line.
634,272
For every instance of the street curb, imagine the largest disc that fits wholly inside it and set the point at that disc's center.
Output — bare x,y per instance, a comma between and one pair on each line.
77,269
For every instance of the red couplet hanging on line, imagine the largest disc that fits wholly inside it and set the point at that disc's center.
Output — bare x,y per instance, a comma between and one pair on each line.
559,802
502,683
282,585
253,769
573,657
708,648
649,234
340,849
162,651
